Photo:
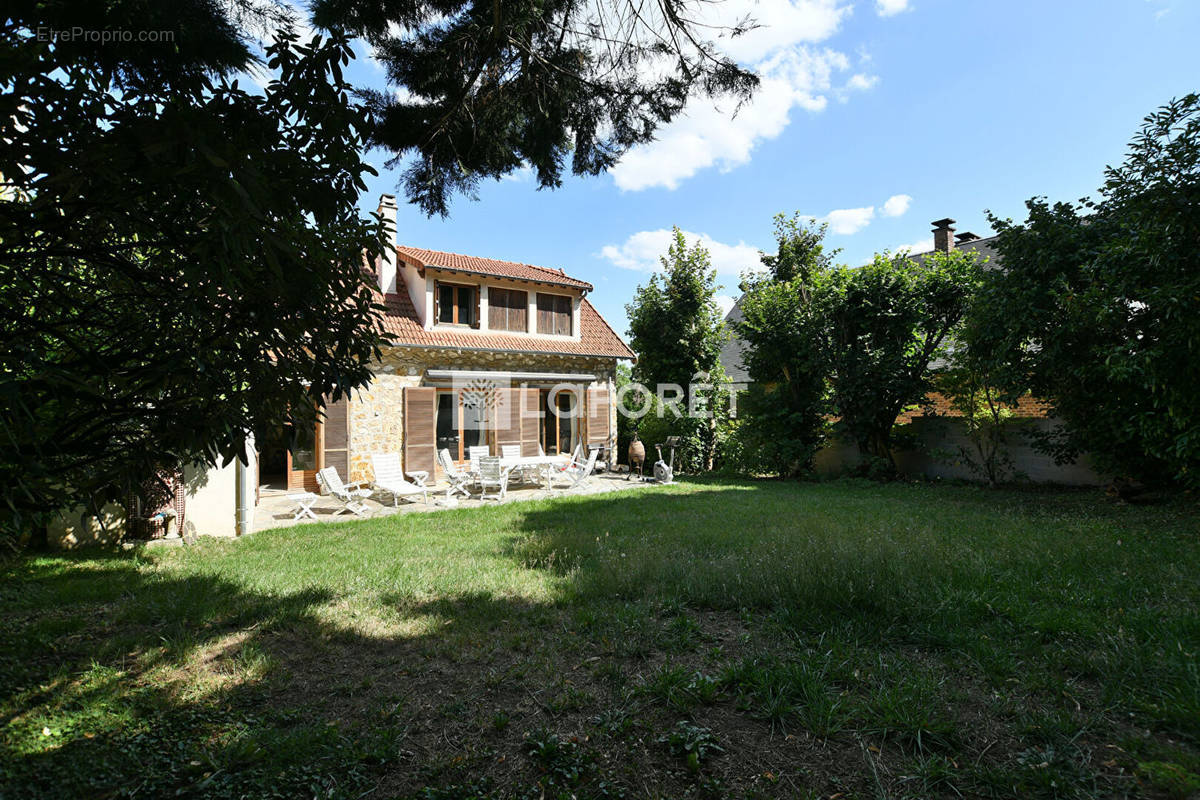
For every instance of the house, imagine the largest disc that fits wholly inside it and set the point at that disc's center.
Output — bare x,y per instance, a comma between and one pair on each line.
483,352
939,434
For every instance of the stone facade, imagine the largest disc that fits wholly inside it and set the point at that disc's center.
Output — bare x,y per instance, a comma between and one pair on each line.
377,412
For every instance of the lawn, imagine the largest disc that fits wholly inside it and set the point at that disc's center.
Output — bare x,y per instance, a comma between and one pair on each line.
712,639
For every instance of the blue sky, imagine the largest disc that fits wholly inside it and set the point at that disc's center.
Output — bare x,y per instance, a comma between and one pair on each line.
889,113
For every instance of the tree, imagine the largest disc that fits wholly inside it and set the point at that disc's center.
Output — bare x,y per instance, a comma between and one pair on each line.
884,324
181,262
676,329
488,86
1096,307
784,412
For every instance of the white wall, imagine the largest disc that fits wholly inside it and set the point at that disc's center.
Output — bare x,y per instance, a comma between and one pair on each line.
211,500
940,439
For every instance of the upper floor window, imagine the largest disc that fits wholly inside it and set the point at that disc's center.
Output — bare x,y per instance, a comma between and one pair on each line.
457,305
554,314
508,310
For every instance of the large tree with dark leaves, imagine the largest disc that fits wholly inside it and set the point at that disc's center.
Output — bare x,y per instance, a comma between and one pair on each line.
180,261
1097,308
487,86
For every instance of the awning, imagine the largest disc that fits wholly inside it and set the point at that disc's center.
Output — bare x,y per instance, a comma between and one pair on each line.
503,376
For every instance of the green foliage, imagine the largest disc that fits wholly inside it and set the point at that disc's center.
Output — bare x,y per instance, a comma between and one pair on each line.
987,416
676,329
781,329
180,263
492,86
1095,309
885,323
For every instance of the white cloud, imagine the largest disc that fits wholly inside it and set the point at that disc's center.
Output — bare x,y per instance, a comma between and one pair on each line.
861,81
849,220
725,303
642,250
888,8
922,246
793,73
896,205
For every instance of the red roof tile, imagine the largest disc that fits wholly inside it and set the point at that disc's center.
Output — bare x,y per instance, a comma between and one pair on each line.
596,337
488,266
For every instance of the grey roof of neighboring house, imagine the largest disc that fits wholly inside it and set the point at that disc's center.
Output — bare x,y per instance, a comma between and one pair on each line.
731,352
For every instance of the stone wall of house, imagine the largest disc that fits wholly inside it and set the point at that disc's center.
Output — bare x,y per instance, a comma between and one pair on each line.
377,412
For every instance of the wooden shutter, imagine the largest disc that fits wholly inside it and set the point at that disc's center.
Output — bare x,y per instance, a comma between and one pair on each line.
420,427
337,437
437,303
531,428
506,418
497,309
478,290
598,428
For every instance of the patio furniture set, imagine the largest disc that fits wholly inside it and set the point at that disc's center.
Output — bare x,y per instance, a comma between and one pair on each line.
487,474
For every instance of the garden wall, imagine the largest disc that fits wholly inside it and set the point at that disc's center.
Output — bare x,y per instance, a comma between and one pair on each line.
937,455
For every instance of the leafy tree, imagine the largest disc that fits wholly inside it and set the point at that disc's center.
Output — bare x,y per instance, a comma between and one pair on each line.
180,261
1095,308
489,86
885,323
987,415
784,411
676,329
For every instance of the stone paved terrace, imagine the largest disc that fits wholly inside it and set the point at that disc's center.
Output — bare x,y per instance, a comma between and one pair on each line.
275,510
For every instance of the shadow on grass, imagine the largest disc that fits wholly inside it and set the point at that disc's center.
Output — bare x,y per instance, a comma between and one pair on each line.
120,677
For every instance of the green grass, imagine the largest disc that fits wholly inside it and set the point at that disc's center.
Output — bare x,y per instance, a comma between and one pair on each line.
712,639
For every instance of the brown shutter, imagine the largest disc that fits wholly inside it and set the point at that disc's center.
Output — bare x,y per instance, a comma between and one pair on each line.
497,310
478,290
531,428
597,414
518,312
507,418
337,437
420,426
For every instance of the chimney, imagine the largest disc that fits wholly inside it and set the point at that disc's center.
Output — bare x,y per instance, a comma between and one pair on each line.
387,262
963,238
943,235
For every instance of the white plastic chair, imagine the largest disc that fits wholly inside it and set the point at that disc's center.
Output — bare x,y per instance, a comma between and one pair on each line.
492,476
579,472
352,498
456,479
389,477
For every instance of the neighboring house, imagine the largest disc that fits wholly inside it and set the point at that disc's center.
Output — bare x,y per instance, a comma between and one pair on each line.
939,437
483,351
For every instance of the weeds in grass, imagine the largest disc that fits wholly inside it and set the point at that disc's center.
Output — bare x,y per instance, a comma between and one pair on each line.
693,743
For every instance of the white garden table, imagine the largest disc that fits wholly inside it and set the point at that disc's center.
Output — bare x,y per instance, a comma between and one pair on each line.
547,462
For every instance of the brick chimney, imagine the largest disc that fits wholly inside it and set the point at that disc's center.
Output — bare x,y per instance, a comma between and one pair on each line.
943,235
387,262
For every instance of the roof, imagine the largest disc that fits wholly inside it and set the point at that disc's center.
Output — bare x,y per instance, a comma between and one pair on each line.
982,247
455,262
596,337
731,351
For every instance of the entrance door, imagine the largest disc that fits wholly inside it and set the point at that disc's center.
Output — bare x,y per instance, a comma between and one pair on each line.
304,456
462,422
559,430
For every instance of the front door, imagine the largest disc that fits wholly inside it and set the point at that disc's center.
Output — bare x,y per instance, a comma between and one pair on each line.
462,422
304,456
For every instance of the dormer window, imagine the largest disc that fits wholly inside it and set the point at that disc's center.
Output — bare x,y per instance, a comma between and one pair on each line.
554,314
457,304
